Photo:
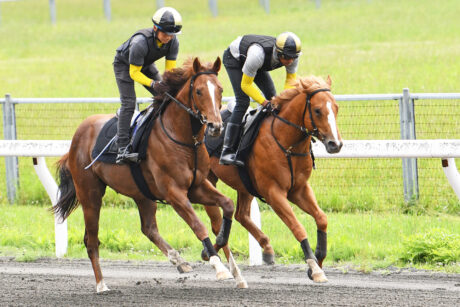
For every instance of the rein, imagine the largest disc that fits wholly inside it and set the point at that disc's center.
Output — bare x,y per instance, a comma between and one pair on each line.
305,134
196,118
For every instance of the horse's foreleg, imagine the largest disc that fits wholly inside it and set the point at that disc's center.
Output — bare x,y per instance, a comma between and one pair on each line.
243,216
208,195
178,200
306,200
278,201
147,211
235,270
216,220
215,217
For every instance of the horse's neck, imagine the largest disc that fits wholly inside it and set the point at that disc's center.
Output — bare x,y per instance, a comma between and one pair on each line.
178,122
292,112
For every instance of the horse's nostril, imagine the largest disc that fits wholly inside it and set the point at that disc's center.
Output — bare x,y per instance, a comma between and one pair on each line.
332,144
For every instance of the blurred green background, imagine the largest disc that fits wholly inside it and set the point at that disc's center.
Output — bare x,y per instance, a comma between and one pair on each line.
366,46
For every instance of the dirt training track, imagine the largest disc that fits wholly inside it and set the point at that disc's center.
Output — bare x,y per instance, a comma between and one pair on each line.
71,283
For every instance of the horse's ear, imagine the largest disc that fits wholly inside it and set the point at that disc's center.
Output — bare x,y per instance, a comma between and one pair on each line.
196,65
217,65
329,80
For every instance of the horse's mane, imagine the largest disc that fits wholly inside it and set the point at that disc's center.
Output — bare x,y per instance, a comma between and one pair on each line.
174,80
302,85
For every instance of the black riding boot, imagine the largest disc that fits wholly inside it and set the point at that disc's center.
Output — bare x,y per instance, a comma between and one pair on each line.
231,139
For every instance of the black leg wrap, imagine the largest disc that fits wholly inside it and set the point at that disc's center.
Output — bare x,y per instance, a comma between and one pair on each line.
321,246
224,233
307,250
209,248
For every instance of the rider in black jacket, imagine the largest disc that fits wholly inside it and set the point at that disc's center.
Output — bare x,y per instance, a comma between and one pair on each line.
135,61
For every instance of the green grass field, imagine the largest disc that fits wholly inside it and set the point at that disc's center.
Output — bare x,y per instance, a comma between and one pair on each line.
366,47
364,241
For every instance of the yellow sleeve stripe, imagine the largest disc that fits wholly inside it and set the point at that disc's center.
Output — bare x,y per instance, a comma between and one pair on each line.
249,89
136,74
170,64
289,79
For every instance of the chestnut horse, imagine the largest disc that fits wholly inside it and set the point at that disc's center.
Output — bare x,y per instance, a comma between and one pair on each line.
280,164
175,168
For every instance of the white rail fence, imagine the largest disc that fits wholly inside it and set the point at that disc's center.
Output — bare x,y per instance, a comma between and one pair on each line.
406,120
446,150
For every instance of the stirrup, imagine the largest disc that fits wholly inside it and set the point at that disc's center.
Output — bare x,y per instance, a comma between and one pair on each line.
124,155
230,159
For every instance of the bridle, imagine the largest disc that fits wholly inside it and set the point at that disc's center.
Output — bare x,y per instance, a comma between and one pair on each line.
194,113
305,133
196,118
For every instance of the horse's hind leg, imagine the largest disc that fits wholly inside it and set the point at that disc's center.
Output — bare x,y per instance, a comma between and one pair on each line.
147,211
89,191
243,215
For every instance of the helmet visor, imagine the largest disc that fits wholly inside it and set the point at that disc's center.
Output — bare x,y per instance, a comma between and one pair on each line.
170,29
289,56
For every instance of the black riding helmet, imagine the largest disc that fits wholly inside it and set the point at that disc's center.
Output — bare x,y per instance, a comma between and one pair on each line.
288,45
168,20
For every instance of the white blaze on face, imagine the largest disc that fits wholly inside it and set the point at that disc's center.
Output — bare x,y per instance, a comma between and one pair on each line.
211,88
331,121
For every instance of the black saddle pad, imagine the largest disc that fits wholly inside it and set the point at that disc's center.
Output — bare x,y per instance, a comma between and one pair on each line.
252,121
139,134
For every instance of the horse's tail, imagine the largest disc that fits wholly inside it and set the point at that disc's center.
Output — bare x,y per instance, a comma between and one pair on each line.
67,201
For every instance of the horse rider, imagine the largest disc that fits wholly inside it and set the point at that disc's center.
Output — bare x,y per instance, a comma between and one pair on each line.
248,60
135,61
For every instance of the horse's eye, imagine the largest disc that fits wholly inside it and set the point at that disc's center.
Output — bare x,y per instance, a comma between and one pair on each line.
198,92
318,112
221,90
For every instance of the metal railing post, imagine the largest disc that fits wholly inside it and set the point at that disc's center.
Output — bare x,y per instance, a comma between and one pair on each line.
107,10
52,4
213,7
160,4
266,5
11,163
409,165
318,4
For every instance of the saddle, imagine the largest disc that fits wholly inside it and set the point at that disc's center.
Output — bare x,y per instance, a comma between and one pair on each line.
251,125
141,126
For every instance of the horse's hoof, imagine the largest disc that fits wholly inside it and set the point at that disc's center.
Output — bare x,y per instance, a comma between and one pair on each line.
184,267
242,285
204,255
268,258
319,277
315,273
101,287
224,275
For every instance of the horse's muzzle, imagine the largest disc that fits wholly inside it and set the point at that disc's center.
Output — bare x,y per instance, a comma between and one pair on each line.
332,146
215,129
